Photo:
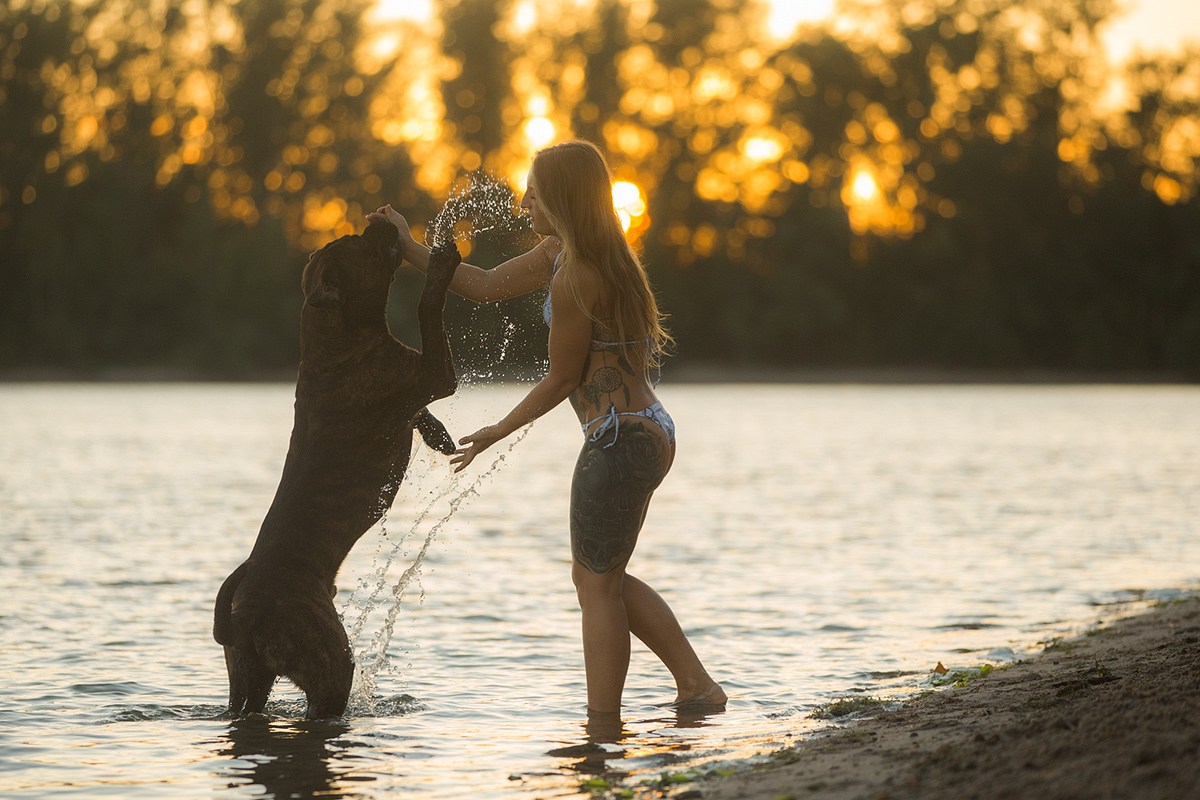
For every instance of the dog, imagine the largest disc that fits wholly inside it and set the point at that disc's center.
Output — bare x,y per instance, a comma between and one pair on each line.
359,395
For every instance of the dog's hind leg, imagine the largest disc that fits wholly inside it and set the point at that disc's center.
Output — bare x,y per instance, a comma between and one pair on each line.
250,681
329,698
305,642
326,676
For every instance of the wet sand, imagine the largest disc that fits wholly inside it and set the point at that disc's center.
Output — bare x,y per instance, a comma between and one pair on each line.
1111,714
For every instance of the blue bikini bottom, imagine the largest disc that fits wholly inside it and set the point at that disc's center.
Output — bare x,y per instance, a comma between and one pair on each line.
655,413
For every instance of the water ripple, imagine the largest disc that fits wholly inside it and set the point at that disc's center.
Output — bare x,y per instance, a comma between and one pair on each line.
830,539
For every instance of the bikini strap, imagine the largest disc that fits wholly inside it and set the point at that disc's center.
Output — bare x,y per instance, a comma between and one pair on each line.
610,423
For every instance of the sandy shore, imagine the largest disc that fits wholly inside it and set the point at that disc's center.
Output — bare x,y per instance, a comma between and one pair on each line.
1112,714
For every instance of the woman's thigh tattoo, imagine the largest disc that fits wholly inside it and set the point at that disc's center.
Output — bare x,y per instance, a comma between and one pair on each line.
609,493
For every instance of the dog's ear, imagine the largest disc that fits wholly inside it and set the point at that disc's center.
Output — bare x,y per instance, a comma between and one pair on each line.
323,283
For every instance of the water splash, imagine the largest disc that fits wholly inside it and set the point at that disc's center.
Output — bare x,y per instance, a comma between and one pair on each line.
374,591
510,331
488,370
488,204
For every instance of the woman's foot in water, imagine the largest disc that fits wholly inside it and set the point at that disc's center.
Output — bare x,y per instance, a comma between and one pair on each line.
713,695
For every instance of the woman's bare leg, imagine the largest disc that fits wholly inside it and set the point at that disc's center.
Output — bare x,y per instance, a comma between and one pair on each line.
604,531
605,635
615,604
652,621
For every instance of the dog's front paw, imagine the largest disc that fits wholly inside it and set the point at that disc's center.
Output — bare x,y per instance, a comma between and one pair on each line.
434,433
441,441
443,260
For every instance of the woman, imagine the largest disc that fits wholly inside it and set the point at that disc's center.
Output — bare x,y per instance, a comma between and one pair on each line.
605,334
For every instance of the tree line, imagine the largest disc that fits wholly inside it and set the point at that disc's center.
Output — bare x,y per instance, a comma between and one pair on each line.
943,188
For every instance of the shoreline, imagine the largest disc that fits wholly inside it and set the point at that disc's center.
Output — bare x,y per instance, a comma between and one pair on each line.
1107,714
682,374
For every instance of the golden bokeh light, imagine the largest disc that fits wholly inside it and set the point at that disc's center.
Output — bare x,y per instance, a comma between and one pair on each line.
786,15
728,116
392,10
762,148
525,16
539,131
630,205
863,187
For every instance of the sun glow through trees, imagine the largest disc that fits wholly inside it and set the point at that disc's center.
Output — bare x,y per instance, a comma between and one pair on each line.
733,115
631,208
734,81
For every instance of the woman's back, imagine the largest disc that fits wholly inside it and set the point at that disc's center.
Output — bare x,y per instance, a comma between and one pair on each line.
616,372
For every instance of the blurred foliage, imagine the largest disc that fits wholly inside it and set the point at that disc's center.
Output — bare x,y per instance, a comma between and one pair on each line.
935,183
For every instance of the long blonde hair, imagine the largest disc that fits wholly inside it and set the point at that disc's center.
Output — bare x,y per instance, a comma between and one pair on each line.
573,185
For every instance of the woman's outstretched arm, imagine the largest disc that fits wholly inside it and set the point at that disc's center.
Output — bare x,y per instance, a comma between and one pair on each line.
514,277
570,338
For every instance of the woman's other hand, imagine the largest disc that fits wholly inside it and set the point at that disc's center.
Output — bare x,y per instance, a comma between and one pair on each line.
396,218
477,442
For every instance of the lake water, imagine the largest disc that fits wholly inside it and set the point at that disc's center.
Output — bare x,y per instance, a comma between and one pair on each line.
815,541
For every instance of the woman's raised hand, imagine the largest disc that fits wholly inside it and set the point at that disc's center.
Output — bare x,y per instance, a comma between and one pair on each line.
396,218
477,442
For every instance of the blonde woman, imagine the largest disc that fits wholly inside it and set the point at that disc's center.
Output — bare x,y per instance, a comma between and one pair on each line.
605,336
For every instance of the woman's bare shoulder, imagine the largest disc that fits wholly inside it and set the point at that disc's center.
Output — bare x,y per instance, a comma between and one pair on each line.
551,246
587,282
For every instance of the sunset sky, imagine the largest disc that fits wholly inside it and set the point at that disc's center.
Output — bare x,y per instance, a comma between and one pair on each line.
1146,25
1154,25
1149,25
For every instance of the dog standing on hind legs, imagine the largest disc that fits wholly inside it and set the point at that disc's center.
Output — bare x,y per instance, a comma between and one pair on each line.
359,395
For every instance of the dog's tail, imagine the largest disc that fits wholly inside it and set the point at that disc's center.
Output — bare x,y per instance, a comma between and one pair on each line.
222,622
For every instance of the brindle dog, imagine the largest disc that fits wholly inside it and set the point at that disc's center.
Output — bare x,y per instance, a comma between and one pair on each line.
359,395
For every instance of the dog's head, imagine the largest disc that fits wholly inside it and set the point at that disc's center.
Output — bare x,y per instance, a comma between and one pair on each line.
354,272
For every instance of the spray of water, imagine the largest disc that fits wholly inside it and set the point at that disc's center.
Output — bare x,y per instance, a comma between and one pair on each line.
486,370
506,340
374,590
487,203
490,206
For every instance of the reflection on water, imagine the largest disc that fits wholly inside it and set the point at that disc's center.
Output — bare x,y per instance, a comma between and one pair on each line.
591,756
814,541
605,741
288,758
